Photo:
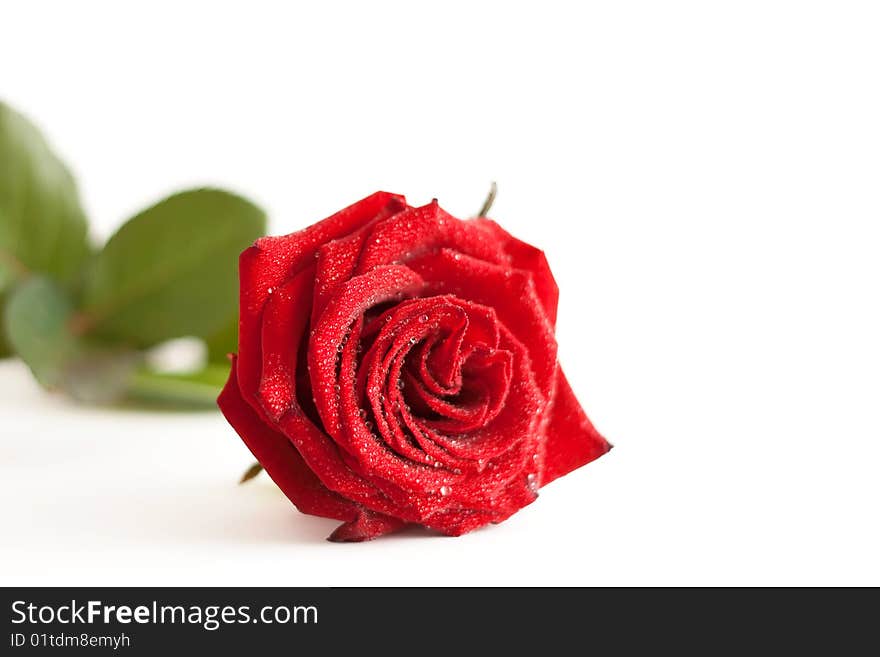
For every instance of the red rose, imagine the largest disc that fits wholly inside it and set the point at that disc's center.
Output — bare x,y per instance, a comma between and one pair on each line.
398,365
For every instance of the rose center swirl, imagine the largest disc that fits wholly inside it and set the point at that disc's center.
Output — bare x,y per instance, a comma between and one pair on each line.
427,371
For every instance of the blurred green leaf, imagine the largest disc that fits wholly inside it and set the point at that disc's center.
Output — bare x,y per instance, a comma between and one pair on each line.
5,349
37,322
172,270
42,226
196,390
224,342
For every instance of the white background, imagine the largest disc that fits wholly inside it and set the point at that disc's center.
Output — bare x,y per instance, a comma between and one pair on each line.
704,179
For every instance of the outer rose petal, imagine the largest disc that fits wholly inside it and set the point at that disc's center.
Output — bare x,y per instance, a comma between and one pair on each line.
426,228
365,527
525,256
273,260
283,326
288,470
280,459
572,441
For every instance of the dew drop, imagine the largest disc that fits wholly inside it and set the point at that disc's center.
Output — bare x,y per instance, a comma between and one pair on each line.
423,318
445,490
270,290
368,425
532,482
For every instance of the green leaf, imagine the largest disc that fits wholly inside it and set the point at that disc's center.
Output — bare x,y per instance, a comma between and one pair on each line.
196,390
5,349
37,322
172,270
42,226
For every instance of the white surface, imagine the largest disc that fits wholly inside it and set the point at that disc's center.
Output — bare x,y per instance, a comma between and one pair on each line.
703,177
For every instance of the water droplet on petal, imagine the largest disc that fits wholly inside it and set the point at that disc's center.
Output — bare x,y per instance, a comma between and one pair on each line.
532,482
445,490
423,318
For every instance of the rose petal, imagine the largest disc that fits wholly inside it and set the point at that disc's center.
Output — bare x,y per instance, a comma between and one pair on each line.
455,522
510,292
571,441
365,527
284,324
525,256
280,459
337,259
416,231
273,260
349,303
516,420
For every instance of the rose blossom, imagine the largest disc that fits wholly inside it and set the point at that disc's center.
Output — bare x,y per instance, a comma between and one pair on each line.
397,365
